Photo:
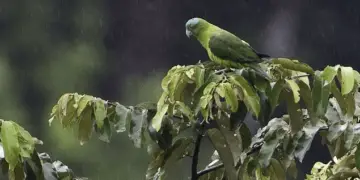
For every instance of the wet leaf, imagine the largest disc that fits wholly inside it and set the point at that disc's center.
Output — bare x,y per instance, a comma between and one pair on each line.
230,97
99,112
346,80
11,144
275,93
122,117
295,89
293,65
85,126
159,116
222,147
251,99
320,94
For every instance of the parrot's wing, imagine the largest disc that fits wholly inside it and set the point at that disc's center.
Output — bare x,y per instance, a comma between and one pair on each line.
229,47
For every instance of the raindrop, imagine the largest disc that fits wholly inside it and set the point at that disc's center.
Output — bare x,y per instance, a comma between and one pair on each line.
225,145
235,135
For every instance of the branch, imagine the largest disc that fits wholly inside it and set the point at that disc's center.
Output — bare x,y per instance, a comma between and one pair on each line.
207,170
195,157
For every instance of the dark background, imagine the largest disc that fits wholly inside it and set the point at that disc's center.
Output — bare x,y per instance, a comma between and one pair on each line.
120,49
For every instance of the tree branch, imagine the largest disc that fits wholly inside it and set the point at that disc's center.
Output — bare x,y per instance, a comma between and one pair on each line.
195,157
207,170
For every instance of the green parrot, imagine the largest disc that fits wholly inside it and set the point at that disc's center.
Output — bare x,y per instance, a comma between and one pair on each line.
224,47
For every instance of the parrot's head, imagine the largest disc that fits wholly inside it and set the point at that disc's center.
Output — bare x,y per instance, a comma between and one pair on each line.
195,26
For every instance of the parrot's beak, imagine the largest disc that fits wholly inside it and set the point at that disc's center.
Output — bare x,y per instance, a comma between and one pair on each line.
188,33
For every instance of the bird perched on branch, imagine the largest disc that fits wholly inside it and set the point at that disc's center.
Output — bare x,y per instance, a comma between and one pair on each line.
224,47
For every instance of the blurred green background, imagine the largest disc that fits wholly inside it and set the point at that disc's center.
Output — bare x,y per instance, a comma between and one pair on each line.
120,49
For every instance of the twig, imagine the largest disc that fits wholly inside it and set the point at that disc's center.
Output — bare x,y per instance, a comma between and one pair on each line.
207,170
195,157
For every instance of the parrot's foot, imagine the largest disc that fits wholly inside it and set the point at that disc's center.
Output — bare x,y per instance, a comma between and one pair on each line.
222,71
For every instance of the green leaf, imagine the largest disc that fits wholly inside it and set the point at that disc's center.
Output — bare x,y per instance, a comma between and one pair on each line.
123,117
276,170
159,116
99,112
233,138
222,147
295,113
199,78
295,89
162,160
251,99
185,110
275,93
230,97
277,128
329,74
245,135
347,80
11,145
357,157
26,141
85,126
138,126
292,170
293,65
68,110
320,94
308,133
84,102
209,88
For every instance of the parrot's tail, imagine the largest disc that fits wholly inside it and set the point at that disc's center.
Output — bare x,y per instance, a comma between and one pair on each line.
260,71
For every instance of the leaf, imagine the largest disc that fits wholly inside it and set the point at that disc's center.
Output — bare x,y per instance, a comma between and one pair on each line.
295,113
26,141
251,99
68,110
295,89
276,170
85,126
232,138
36,166
328,74
161,160
304,143
10,144
245,135
230,97
62,170
157,119
222,147
123,117
277,128
199,78
99,112
346,80
357,157
320,95
185,110
84,102
275,93
293,65
138,126
292,170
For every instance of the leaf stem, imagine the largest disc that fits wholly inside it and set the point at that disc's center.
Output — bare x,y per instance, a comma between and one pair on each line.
195,157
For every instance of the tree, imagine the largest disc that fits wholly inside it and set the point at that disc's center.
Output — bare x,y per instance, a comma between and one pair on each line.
203,100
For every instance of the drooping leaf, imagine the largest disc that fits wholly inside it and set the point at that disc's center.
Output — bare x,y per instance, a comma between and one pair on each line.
222,147
320,95
85,126
275,170
251,99
346,80
275,93
276,130
11,145
308,133
293,65
138,126
230,97
293,108
122,116
157,120
295,89
328,74
99,112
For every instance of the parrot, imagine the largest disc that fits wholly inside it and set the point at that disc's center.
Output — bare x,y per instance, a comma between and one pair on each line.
224,48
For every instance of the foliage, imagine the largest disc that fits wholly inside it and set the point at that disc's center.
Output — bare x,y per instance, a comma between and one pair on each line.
205,100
